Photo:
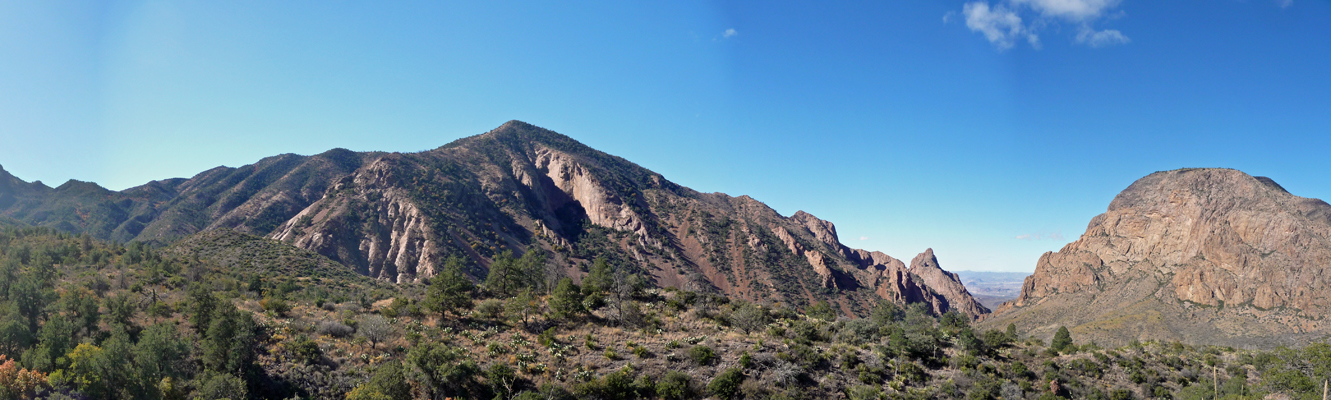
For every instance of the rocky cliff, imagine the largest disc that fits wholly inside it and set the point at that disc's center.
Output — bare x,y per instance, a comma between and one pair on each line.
519,188
1199,255
946,284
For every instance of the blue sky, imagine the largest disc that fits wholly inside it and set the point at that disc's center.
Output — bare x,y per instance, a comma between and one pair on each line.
991,131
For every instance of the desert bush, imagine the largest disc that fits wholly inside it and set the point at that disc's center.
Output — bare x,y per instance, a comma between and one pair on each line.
675,385
304,349
749,317
276,305
864,393
375,328
335,329
222,386
702,355
857,331
726,384
491,309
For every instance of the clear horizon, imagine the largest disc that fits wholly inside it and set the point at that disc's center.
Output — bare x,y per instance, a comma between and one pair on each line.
990,131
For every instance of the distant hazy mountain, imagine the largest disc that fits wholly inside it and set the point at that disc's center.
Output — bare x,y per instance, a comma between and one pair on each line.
1197,255
397,216
993,288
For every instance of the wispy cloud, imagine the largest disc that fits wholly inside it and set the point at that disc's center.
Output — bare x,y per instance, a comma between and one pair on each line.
864,238
729,33
998,24
1285,3
1003,24
1107,37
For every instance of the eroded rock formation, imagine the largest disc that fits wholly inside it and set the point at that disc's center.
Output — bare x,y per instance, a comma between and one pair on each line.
1202,255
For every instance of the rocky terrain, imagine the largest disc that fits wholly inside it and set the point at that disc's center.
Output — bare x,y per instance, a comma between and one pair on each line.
519,188
1197,255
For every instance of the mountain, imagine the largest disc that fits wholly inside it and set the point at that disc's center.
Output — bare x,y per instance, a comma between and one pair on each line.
1198,255
397,216
993,288
251,199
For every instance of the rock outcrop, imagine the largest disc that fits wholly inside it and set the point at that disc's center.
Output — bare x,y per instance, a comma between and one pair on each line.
946,284
368,221
1201,255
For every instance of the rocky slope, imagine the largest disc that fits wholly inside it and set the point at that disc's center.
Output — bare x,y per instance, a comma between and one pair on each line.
397,216
252,199
1198,255
946,284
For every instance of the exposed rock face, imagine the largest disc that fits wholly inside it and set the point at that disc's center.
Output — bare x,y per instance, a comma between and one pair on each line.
896,283
397,216
602,208
369,222
946,284
1201,255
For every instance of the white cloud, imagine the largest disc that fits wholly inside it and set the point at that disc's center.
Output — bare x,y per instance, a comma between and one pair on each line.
1285,3
998,24
864,238
1107,37
729,33
1024,237
1075,10
1003,23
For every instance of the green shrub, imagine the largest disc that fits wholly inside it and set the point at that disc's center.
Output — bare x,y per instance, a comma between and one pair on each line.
275,305
304,349
702,355
547,338
645,387
675,385
491,309
726,384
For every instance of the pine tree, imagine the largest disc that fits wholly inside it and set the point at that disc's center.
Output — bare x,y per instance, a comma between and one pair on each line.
1062,340
503,274
566,301
450,290
599,278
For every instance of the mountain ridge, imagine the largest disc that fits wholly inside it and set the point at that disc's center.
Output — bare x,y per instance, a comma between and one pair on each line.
518,187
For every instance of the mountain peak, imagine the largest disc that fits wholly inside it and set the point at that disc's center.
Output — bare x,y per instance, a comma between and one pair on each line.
1175,243
1201,185
925,265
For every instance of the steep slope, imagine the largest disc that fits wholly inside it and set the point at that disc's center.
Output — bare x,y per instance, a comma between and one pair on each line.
946,284
397,216
235,251
254,199
1199,255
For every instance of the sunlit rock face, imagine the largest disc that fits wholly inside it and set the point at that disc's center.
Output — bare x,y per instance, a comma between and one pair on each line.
1212,255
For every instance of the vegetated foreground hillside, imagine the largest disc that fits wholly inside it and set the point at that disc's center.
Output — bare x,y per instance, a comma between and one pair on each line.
1197,255
518,188
86,319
